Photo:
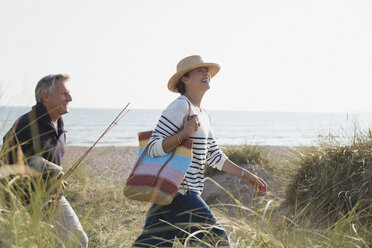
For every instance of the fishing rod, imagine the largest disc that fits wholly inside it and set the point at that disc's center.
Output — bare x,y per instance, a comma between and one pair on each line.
51,204
78,162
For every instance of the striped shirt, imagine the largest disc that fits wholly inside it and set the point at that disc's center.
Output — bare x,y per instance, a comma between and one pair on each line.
205,149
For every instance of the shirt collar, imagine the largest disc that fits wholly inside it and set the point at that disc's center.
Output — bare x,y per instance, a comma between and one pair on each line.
43,116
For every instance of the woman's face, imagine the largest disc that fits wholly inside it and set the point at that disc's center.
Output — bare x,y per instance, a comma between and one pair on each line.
198,79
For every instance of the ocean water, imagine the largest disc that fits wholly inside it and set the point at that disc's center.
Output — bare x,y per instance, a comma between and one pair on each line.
84,126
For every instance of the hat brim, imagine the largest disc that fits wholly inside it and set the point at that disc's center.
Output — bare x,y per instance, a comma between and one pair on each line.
213,69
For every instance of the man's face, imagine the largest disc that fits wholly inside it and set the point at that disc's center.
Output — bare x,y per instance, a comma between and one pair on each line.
57,102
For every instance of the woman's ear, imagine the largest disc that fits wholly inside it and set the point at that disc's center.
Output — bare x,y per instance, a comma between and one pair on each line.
183,79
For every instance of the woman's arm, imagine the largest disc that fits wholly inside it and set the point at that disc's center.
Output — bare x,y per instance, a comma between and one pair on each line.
190,126
169,128
233,169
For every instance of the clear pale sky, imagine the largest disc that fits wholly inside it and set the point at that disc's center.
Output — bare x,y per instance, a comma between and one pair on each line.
275,55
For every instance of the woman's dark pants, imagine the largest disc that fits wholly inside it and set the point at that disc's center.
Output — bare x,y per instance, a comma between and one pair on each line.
187,214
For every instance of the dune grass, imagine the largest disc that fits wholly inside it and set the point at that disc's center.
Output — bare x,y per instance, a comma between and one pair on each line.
252,155
334,180
25,224
279,219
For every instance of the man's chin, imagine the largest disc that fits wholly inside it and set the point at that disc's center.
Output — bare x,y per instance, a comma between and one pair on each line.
65,111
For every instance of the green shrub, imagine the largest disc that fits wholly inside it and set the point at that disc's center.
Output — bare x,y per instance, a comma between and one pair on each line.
245,155
240,155
334,180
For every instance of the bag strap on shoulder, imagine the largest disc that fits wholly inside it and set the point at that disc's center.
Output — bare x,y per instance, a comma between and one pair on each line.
166,162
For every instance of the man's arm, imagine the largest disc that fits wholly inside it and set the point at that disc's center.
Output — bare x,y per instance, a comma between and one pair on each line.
45,167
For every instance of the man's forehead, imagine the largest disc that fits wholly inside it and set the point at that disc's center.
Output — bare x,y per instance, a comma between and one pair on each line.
61,83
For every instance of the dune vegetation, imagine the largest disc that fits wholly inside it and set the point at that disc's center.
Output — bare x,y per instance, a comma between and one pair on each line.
318,197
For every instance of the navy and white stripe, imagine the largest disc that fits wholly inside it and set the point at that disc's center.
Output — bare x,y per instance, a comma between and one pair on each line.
205,148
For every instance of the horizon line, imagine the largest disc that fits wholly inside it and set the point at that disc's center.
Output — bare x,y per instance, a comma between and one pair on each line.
221,110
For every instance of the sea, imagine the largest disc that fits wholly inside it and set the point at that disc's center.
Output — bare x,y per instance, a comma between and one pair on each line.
85,125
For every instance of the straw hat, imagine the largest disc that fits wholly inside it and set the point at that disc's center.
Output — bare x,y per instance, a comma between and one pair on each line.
187,64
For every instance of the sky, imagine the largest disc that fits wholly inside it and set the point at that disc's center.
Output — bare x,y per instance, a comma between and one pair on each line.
275,55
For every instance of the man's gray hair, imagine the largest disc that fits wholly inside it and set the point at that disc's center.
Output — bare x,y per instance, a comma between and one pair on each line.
46,84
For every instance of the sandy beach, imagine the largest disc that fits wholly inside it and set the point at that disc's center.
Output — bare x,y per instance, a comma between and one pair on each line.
112,161
119,159
113,164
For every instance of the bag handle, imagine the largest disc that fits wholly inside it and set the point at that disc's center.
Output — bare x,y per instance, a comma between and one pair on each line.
139,160
188,115
166,162
161,169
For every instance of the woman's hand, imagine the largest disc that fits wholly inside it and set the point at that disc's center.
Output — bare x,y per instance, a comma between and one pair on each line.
190,125
233,169
258,183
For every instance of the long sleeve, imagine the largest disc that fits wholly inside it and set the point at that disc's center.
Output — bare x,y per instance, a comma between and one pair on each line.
204,150
215,157
17,138
44,166
170,123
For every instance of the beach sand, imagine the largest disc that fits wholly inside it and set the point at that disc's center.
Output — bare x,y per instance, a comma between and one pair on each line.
113,164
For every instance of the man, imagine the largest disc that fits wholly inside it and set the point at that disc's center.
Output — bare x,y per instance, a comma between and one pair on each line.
41,136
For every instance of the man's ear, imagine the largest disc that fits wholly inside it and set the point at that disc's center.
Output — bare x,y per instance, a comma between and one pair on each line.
46,97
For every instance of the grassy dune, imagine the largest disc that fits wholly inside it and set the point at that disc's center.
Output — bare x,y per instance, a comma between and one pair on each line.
110,220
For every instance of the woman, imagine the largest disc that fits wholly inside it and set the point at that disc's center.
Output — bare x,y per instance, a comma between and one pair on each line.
188,213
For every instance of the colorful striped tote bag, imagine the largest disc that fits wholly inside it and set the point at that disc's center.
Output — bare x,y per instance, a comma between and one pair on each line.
157,179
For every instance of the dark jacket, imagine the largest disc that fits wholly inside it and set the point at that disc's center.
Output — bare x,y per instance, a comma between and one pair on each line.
36,135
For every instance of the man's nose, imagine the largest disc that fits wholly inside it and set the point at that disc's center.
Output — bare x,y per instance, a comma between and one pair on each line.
69,98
